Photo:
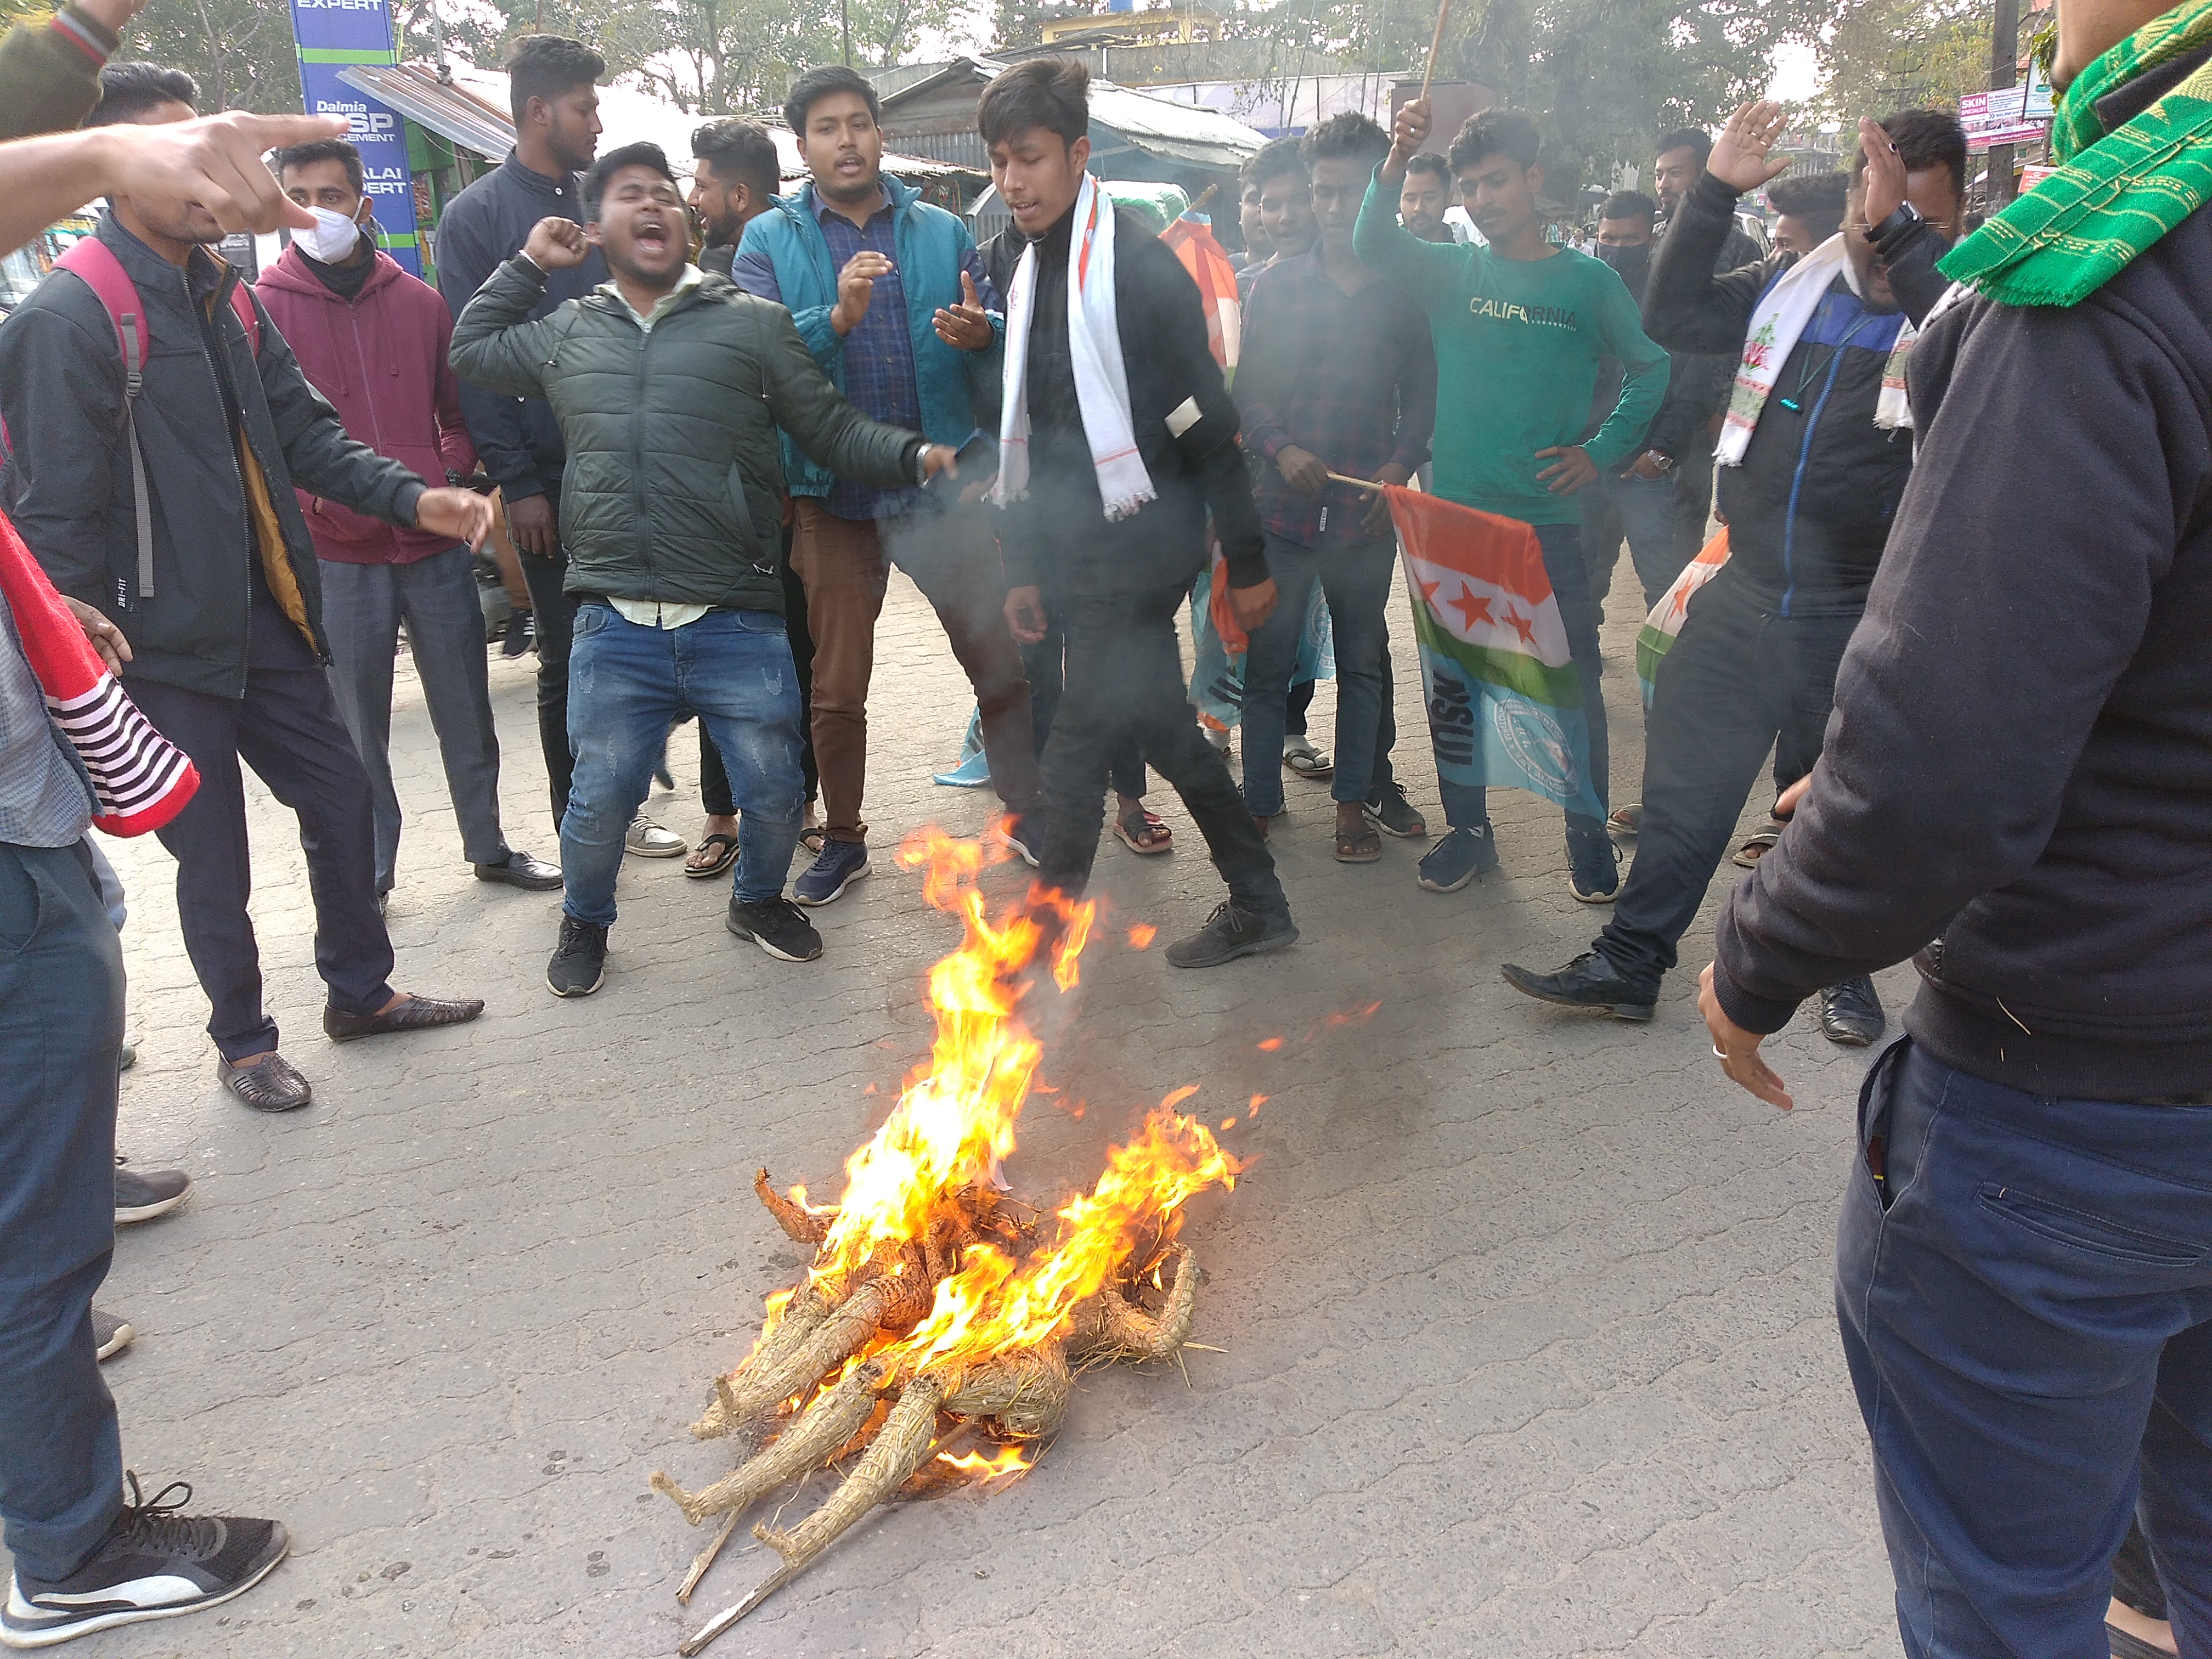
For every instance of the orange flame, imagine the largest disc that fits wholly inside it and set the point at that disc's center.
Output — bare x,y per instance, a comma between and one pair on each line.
954,1124
1142,935
1007,1460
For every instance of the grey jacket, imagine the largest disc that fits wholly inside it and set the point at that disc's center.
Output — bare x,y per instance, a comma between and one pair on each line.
68,481
673,486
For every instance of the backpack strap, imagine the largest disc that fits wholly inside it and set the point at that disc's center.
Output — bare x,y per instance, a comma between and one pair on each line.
241,301
94,262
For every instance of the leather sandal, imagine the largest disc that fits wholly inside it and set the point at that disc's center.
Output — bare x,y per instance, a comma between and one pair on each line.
1144,834
411,1013
1360,846
267,1085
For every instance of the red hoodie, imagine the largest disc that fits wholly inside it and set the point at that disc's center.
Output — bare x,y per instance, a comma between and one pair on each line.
381,359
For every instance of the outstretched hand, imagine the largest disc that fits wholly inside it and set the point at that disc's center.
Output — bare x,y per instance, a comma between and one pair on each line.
1737,1049
966,326
1739,158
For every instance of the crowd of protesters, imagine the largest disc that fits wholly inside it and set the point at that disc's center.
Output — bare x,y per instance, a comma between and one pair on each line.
1967,494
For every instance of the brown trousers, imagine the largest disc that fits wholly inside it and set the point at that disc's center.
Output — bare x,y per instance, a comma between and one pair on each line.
845,567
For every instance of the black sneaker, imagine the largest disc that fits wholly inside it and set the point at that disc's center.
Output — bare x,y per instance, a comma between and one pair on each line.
778,926
579,966
1021,834
1851,1013
1388,811
142,1197
110,1336
1231,933
1588,981
1593,866
155,1564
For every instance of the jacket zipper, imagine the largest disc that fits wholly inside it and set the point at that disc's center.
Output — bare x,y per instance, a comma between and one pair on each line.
1804,458
238,472
637,450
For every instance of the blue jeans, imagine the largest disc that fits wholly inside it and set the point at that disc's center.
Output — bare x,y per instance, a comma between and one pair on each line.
2026,1300
1356,581
1646,507
627,684
1467,806
61,1026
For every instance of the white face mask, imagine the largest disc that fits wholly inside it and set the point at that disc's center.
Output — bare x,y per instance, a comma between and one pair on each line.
331,239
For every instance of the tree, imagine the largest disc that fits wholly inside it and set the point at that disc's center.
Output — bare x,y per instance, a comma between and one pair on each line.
1885,55
1604,79
240,52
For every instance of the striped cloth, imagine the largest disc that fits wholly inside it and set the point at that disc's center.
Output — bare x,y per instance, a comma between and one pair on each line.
140,780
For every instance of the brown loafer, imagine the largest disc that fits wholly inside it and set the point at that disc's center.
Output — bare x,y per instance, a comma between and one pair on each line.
415,1014
267,1085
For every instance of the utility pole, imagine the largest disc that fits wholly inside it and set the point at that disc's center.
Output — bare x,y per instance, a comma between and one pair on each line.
845,23
2004,72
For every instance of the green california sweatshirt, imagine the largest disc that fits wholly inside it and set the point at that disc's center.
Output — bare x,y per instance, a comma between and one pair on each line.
1517,349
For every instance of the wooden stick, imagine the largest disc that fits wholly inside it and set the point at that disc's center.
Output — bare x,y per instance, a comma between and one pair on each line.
1206,196
1436,40
1357,483
705,1559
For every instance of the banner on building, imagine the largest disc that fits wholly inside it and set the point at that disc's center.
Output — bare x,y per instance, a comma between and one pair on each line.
334,35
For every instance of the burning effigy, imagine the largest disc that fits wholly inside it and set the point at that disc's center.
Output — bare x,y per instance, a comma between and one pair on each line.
939,1311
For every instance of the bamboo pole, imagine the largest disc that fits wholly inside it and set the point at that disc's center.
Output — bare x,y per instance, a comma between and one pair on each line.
1435,42
1357,483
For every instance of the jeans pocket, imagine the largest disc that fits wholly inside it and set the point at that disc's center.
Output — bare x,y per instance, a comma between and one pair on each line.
22,901
2083,1231
590,619
1876,1094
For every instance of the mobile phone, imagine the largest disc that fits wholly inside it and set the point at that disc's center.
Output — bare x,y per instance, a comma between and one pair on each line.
978,461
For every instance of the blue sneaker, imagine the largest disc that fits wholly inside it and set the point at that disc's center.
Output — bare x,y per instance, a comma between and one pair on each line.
1458,859
1593,866
842,863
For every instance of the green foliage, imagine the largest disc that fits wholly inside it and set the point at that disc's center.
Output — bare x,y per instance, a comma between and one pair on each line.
1886,55
240,52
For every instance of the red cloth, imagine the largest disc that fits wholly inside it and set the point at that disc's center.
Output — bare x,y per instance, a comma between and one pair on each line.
383,361
1192,238
140,780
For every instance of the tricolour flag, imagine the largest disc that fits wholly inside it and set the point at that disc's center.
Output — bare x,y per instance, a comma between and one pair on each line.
1191,236
1657,638
1505,698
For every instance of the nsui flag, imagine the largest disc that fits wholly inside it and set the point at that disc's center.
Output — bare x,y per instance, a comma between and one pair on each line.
1505,702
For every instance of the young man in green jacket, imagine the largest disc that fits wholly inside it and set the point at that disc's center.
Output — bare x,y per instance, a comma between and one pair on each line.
670,386
1519,327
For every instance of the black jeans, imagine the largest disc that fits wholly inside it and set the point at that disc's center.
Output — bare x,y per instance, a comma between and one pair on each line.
287,728
1693,501
713,782
1045,664
61,1026
1739,678
553,620
1124,683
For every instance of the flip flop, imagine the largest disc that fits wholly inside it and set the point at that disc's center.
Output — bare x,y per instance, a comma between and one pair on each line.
725,849
1623,823
1309,762
1754,846
814,840
1144,834
1360,846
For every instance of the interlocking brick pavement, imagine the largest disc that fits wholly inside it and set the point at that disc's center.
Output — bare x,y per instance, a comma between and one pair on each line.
1519,1327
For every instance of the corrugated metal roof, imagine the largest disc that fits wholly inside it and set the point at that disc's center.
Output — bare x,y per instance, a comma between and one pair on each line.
1158,126
471,111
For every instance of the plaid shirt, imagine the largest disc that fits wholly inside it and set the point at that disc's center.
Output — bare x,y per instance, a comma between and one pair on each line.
45,800
1350,378
878,356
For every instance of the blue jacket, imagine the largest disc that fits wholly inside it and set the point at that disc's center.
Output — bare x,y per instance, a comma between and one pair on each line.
784,257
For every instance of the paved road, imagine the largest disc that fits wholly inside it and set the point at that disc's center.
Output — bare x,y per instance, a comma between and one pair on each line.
1523,1321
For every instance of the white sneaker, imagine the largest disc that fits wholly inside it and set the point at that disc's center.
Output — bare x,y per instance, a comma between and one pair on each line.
649,840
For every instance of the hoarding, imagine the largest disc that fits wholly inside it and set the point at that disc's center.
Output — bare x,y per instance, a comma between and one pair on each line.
333,34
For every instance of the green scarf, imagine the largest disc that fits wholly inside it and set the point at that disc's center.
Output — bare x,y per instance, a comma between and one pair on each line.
2114,194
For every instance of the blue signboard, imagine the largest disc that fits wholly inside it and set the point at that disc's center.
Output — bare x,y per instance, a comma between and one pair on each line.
334,35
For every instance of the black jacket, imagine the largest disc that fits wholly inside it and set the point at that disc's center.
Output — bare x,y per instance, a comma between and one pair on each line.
69,481
1058,539
2019,766
1810,507
517,439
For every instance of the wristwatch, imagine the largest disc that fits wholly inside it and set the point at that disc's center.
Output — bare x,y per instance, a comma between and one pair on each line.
1664,463
1897,222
